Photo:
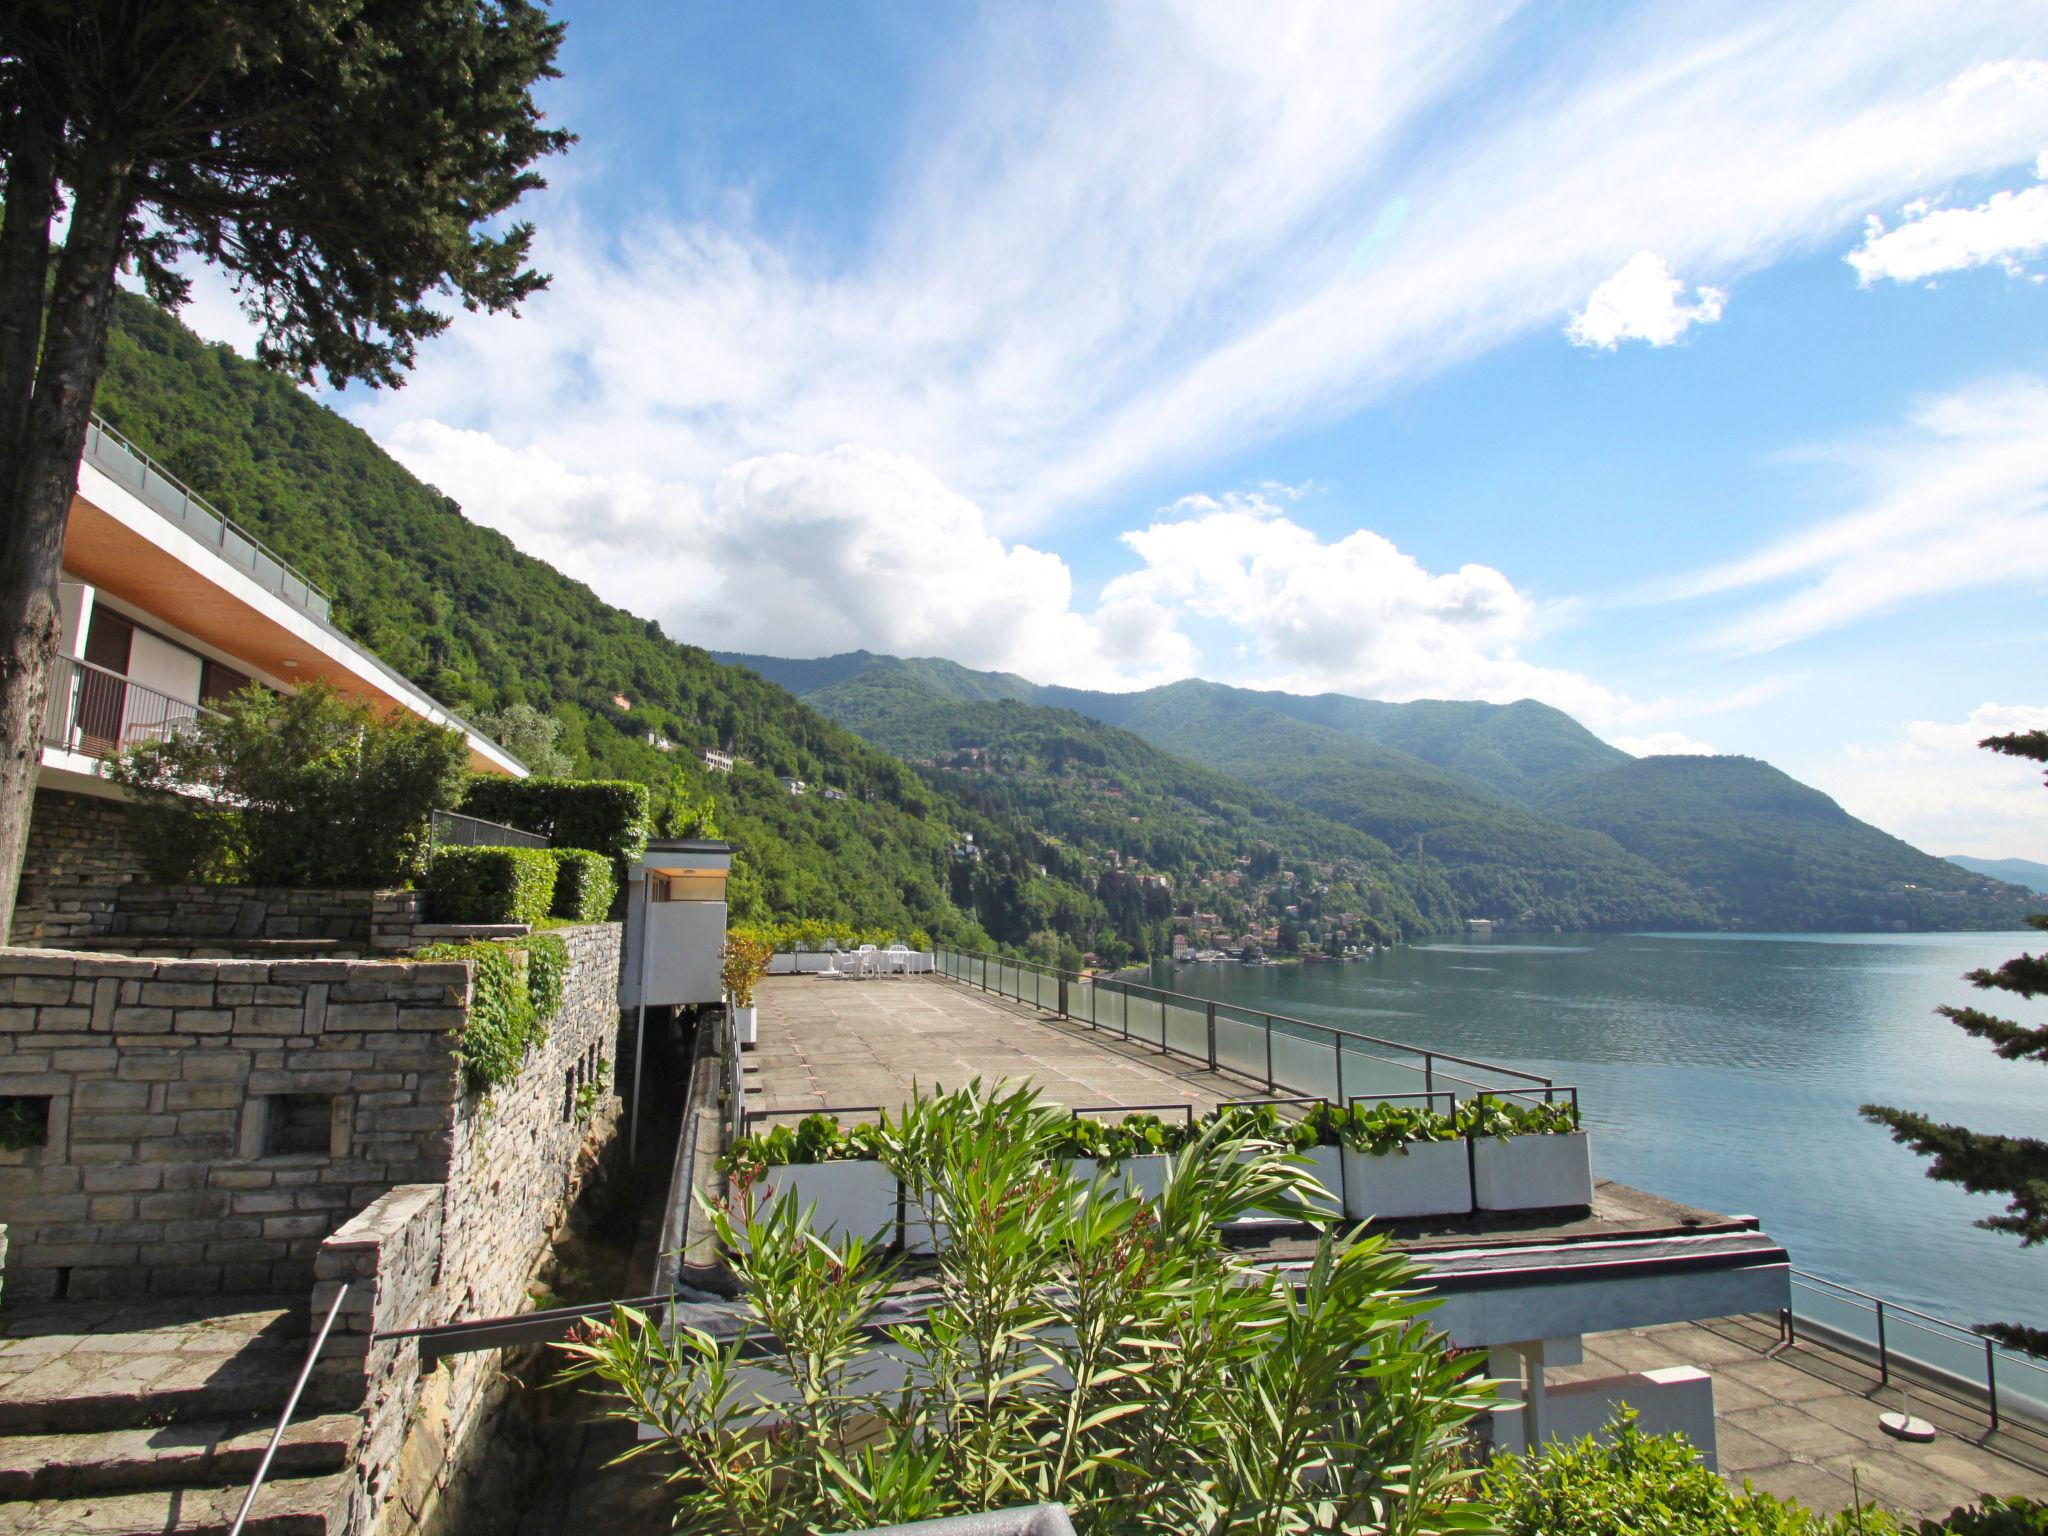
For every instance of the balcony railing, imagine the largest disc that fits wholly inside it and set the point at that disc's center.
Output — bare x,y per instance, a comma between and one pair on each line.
452,829
122,462
1299,1055
99,713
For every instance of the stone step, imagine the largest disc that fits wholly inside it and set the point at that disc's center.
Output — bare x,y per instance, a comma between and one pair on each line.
68,1368
304,1506
202,1453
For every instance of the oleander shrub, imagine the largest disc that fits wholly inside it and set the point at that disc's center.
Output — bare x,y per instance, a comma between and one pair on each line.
1073,1344
608,815
585,885
1647,1483
515,992
490,885
307,789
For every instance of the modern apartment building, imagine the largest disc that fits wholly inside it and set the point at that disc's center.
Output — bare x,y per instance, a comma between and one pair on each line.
167,607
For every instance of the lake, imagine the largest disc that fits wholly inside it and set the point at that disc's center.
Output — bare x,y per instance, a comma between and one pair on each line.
1725,1070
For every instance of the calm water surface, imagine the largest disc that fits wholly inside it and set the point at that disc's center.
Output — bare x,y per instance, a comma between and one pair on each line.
1725,1071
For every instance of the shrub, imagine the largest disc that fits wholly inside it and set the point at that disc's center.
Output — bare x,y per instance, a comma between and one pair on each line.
744,964
490,885
1647,1483
2016,1516
608,815
1490,1116
305,789
1097,1351
584,885
1379,1129
515,992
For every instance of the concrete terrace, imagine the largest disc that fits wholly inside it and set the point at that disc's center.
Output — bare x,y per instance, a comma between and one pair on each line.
833,1044
1798,1421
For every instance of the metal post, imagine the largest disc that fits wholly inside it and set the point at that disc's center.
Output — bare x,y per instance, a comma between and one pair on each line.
1884,1360
1269,1052
1428,1080
1991,1379
1063,996
1212,1034
1337,1049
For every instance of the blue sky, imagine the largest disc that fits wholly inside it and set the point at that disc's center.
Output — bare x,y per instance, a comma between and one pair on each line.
1681,366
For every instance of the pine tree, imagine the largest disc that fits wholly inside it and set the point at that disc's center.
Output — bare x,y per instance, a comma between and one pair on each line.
1985,1164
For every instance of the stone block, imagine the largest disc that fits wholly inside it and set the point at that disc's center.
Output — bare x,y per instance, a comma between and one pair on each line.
269,1020
177,994
108,1095
202,1095
105,1127
141,1064
122,1180
207,1122
138,1019
86,1059
365,1017
205,1021
188,1205
245,1250
111,1207
241,1178
307,1224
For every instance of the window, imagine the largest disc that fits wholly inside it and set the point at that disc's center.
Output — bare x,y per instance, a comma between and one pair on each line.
24,1121
298,1123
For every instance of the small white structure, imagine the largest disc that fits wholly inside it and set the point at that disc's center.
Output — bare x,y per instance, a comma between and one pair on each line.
675,924
795,786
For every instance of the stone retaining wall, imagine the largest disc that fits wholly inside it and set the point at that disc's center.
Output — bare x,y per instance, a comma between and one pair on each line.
210,1122
81,848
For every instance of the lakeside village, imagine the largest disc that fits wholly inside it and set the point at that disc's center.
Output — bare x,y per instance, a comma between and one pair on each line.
336,1135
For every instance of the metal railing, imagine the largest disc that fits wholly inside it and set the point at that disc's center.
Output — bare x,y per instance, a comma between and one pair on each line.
291,1406
1918,1347
96,712
162,492
452,829
1281,1051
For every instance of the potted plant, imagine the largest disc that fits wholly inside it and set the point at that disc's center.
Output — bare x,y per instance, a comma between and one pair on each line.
831,1171
1136,1149
744,963
1402,1160
1311,1140
1526,1157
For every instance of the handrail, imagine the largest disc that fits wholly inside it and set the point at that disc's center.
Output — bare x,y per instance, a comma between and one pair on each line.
290,1406
99,433
1886,1352
1334,1032
72,677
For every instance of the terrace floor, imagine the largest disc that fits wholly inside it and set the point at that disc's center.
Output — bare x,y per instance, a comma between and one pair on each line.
1801,1421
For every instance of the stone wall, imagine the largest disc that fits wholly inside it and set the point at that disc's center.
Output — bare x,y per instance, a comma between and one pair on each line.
240,912
517,1161
209,1122
80,848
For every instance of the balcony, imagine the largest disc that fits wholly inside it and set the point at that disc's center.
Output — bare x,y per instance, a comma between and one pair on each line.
128,466
94,712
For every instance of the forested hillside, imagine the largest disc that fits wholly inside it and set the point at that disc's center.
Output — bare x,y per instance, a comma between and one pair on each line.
1527,816
461,611
1240,863
1764,851
1498,859
2027,872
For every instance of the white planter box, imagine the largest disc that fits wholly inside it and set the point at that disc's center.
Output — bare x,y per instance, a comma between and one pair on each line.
1327,1164
1143,1176
1429,1178
746,1025
1532,1173
854,1198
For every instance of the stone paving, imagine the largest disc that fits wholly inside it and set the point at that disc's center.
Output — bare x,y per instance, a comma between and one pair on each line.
1801,1422
845,1043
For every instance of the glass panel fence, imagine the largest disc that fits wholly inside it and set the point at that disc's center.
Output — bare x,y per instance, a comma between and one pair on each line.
1187,1031
1145,1015
1240,1047
1368,1076
1303,1064
1109,1008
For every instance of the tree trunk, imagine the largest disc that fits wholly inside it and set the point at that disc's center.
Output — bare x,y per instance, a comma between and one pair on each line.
35,499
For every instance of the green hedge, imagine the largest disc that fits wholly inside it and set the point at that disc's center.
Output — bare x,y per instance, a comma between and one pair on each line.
608,815
515,994
490,885
584,885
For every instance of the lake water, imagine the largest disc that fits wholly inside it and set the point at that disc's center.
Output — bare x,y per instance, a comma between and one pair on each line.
1725,1071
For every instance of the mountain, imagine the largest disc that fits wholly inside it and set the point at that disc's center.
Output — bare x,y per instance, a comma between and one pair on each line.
1145,829
1529,818
457,608
1499,859
1767,852
2026,872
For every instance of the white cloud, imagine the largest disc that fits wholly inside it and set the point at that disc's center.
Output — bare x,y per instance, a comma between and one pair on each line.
1663,744
2006,229
1934,786
1642,302
1130,244
1353,614
1957,501
805,554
